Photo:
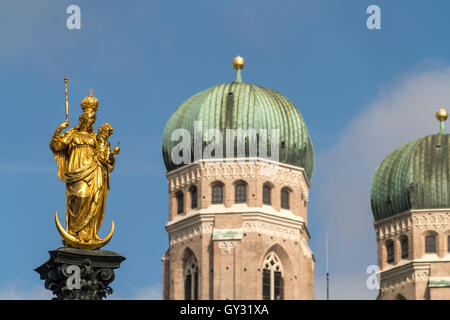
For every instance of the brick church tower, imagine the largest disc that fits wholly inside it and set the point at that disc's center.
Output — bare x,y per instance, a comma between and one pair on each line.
410,199
239,160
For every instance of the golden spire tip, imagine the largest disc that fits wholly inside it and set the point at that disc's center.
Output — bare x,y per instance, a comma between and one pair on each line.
441,115
238,63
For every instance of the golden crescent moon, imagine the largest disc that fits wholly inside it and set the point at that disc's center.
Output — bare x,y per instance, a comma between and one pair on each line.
76,243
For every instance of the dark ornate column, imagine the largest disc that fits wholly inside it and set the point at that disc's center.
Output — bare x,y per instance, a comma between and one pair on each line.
75,274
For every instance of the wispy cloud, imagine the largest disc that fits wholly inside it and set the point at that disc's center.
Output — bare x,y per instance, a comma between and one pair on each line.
151,292
403,111
18,291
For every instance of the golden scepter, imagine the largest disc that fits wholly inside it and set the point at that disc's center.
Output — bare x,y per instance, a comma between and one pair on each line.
67,101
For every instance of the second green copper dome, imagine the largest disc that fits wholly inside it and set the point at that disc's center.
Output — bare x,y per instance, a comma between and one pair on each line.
414,176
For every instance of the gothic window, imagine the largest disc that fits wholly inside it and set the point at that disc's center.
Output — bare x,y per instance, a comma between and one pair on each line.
191,279
266,284
430,244
273,280
285,198
240,192
266,194
405,248
194,197
217,193
180,202
390,251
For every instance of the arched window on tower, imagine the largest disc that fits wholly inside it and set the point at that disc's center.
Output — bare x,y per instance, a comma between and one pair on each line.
240,194
405,247
390,251
217,193
180,202
267,190
194,197
285,198
191,279
430,244
273,278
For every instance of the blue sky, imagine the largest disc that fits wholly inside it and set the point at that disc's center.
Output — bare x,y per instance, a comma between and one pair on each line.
144,58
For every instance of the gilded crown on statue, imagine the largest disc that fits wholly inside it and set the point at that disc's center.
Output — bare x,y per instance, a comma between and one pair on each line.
90,103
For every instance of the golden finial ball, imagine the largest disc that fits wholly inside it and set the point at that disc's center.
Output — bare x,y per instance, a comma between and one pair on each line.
441,115
238,63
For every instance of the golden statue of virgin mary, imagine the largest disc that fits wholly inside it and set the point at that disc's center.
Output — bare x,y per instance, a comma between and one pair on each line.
85,161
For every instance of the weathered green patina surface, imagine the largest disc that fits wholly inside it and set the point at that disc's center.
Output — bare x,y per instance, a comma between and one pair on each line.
227,234
241,105
414,176
439,282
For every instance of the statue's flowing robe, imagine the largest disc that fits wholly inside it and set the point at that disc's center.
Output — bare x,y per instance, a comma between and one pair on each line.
86,182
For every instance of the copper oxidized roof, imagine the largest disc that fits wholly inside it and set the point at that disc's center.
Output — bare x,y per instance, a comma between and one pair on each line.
246,106
414,176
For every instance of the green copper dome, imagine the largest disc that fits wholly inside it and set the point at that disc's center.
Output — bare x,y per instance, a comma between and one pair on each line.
241,105
414,176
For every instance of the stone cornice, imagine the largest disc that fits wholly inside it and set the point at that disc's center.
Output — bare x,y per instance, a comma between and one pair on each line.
241,208
275,225
219,169
276,222
237,160
432,219
435,221
189,228
425,259
378,222
189,221
407,273
393,226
